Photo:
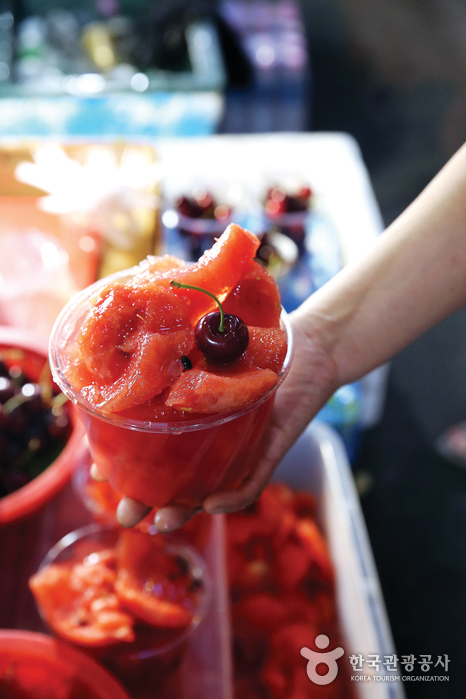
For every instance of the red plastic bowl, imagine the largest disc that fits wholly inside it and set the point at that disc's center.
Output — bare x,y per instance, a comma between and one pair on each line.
40,666
39,491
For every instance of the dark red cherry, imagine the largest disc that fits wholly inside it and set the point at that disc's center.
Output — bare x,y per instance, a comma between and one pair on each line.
305,193
221,337
7,389
220,346
222,212
31,393
188,207
14,479
205,200
59,426
275,208
16,420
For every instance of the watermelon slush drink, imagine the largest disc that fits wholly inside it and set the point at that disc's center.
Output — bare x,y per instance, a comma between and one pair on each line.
164,423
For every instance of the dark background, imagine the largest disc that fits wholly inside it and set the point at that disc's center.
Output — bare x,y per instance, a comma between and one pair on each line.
392,73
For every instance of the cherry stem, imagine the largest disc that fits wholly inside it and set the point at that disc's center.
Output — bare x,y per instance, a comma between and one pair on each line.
45,382
13,403
59,400
178,285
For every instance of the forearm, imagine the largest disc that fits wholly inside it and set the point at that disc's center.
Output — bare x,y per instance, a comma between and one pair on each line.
414,276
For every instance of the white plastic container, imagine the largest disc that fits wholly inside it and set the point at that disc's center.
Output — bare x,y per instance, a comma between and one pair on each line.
318,463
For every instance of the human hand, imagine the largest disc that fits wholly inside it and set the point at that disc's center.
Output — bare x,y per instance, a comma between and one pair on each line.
312,379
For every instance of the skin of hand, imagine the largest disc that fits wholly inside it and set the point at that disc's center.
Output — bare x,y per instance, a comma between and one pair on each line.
414,275
312,379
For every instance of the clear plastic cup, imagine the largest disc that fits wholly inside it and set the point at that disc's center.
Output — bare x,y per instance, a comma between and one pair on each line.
39,665
164,462
97,496
151,661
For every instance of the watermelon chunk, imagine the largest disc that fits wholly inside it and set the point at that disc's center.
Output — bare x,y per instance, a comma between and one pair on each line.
266,349
201,391
217,271
131,342
158,265
148,270
255,298
150,608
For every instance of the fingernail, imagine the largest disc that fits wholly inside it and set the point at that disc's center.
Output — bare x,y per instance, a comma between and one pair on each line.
218,510
130,512
162,524
96,475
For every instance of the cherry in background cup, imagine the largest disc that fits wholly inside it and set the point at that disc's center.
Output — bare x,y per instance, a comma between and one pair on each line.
156,462
288,213
196,235
151,662
194,221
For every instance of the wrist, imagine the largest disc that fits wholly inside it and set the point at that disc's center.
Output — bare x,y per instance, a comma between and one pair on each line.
314,338
335,318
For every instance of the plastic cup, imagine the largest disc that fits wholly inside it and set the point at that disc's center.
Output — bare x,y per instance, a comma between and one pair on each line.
37,665
278,253
97,496
151,660
164,462
38,492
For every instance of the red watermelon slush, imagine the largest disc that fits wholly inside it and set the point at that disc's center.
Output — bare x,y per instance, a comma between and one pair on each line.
165,424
